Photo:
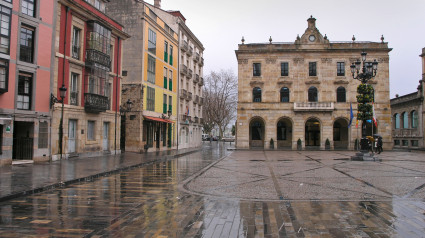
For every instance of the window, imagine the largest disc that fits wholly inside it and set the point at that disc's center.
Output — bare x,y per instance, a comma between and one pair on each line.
24,91
405,142
170,103
153,15
170,77
165,51
414,117
340,69
414,143
107,93
284,94
90,130
99,39
165,78
397,121
26,52
150,99
28,7
396,142
43,135
256,94
5,14
284,69
256,69
171,55
73,94
164,106
96,79
405,120
4,75
151,69
312,94
152,42
76,34
340,94
312,69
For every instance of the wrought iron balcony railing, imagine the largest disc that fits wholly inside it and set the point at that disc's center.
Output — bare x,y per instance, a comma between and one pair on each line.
189,74
183,93
196,79
189,96
94,56
95,103
313,106
183,69
196,58
184,46
190,51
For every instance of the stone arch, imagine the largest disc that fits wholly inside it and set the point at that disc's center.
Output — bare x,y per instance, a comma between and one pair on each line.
257,126
312,132
341,133
284,127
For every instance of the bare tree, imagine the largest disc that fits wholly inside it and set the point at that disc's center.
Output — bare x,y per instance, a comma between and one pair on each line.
220,95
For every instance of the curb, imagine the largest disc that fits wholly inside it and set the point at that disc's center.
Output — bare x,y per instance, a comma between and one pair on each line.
93,176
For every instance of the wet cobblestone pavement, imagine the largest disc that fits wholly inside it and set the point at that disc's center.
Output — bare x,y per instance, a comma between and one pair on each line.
246,194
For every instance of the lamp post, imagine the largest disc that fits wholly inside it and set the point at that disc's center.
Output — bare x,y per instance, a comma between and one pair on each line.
62,94
364,71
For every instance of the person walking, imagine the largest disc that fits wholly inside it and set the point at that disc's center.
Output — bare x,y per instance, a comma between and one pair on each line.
379,145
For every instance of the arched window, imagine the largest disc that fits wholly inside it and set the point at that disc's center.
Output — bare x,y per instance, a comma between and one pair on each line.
414,117
340,94
405,120
397,121
284,94
256,94
312,94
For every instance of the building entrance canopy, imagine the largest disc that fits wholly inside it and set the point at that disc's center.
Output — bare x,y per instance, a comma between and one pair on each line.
157,119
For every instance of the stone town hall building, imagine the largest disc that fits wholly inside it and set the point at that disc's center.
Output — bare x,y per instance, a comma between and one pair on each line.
303,90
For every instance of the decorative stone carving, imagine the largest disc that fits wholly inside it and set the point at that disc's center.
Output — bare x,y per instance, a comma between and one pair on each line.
384,60
298,60
243,61
326,60
270,61
341,82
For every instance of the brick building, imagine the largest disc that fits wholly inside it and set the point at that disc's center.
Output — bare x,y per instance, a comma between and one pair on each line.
302,90
26,62
88,48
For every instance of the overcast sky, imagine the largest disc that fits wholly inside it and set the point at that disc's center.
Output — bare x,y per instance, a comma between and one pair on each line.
220,25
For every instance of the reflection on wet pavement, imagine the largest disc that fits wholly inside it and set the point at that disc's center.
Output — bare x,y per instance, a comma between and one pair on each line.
146,202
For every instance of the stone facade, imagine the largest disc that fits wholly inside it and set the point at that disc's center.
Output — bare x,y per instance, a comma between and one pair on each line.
408,111
288,92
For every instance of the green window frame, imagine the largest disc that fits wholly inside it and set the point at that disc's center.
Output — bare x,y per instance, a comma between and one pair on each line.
166,52
170,84
171,55
151,69
152,41
165,78
164,106
150,105
170,103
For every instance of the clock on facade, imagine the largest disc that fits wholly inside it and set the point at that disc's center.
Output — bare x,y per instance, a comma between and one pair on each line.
312,38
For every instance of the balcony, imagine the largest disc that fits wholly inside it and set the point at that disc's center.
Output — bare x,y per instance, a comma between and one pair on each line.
183,93
190,51
183,118
201,62
189,74
201,101
196,58
95,103
408,132
196,79
196,120
183,69
184,46
201,81
196,99
201,120
313,106
94,56
189,96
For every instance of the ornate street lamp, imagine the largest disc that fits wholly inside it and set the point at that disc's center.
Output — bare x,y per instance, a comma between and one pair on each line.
62,94
364,71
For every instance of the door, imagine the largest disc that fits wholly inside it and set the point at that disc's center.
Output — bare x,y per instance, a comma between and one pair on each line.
72,134
106,136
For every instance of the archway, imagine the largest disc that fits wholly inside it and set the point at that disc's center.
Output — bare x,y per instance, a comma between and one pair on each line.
340,134
284,133
312,133
256,133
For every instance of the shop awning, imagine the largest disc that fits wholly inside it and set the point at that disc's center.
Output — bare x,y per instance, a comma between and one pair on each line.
157,119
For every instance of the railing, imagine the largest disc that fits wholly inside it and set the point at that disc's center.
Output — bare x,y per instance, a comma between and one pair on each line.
411,132
94,56
201,101
23,148
201,62
196,58
196,79
183,69
190,51
183,118
185,46
95,103
196,99
313,106
183,93
201,81
189,96
189,74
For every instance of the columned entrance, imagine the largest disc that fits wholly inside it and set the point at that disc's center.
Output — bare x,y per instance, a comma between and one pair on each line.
284,133
340,134
256,133
312,133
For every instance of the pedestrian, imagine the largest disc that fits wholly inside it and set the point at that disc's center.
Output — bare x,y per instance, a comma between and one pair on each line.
379,145
371,141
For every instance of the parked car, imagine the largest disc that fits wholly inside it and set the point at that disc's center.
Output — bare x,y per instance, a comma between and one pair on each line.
205,137
229,139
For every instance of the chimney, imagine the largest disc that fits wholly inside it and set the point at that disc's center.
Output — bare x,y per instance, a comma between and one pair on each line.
311,22
157,3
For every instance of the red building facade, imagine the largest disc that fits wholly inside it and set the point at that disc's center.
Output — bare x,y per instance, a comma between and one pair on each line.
26,62
88,55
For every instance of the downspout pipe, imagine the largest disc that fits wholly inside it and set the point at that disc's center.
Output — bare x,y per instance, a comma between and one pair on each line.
116,91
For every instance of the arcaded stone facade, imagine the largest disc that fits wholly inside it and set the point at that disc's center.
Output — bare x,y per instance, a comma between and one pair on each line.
408,126
302,91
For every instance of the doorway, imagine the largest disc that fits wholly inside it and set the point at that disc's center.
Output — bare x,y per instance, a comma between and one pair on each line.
284,133
340,134
106,136
72,136
256,133
23,140
312,133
